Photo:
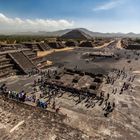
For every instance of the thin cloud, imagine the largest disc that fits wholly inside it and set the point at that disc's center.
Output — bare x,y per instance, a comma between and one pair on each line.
107,6
37,24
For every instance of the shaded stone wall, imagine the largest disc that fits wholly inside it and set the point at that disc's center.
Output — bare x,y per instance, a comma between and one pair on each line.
133,47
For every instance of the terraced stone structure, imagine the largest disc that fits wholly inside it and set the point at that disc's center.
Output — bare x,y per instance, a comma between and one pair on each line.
31,52
56,45
87,44
133,47
71,43
130,44
7,66
20,58
75,81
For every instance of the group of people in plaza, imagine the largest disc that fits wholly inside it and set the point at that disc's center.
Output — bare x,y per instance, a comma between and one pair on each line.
20,96
102,98
124,78
42,99
49,92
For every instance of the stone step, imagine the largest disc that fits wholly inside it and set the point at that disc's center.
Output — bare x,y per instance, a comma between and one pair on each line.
44,46
6,66
10,69
7,47
31,55
24,63
37,60
4,59
2,56
10,72
4,62
6,74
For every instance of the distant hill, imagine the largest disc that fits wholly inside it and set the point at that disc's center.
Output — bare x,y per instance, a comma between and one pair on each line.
44,33
90,33
85,31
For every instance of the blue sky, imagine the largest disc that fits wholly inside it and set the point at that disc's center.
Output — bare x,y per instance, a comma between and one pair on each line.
50,15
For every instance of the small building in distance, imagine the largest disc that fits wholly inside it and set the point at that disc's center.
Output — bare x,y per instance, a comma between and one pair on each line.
87,44
71,43
133,47
56,45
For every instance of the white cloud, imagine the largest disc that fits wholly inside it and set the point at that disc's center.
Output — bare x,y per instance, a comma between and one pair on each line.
109,5
19,24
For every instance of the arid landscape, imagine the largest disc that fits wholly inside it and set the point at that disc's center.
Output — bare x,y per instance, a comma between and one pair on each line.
69,70
70,89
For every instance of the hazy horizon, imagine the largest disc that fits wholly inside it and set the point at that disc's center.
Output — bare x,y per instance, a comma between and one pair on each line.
57,30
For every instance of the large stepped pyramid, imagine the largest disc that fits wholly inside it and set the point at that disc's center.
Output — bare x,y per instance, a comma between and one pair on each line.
19,58
76,34
7,67
24,63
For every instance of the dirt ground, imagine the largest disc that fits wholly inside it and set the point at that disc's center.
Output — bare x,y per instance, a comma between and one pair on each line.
82,122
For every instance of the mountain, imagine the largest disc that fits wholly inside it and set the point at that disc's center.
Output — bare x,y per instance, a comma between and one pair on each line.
133,35
87,32
44,33
54,33
90,33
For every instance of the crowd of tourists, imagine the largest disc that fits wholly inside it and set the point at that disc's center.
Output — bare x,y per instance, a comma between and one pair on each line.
23,97
122,76
19,96
49,92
